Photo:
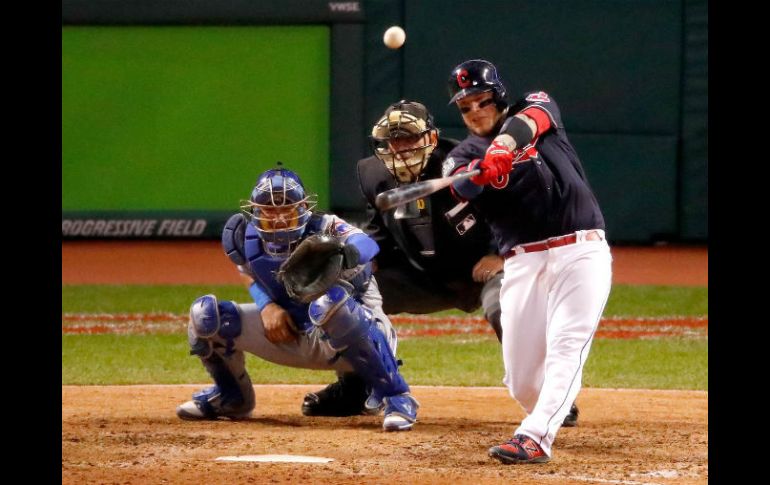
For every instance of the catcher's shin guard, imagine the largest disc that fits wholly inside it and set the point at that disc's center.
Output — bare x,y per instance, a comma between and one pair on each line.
352,331
211,333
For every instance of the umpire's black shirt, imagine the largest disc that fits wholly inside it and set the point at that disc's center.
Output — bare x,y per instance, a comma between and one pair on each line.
427,242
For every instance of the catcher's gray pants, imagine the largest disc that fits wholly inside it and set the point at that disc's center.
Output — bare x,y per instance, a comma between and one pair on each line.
307,351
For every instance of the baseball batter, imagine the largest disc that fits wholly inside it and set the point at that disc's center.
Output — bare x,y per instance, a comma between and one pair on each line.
344,329
546,221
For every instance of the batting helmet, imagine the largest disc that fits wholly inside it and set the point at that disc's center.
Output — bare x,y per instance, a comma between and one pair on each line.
279,209
476,76
398,139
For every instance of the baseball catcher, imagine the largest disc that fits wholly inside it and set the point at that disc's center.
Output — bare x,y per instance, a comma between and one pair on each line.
308,274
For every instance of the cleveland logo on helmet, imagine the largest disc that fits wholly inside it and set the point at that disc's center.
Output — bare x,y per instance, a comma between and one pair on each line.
476,76
462,79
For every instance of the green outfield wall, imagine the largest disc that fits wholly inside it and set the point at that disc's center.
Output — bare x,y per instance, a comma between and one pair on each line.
182,118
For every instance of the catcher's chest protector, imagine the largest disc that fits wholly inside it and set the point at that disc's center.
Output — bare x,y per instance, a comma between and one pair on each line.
264,267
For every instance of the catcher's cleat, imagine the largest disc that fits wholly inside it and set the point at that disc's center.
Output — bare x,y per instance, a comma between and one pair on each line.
400,412
195,411
519,449
208,404
345,397
570,420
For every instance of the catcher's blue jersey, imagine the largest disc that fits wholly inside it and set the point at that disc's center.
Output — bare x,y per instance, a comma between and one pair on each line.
263,267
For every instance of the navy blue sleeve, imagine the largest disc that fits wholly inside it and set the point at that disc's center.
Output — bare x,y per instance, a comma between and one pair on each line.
465,188
462,158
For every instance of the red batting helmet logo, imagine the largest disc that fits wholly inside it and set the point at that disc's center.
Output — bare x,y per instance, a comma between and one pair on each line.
462,79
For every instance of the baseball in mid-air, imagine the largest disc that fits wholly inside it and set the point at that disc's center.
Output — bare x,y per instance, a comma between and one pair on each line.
394,37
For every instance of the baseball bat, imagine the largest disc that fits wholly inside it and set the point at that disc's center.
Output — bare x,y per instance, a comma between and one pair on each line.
407,193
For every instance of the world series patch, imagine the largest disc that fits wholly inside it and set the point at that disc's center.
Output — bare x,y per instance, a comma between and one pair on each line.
447,167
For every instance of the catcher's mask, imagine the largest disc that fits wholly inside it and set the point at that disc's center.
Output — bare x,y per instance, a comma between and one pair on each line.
403,139
476,76
279,209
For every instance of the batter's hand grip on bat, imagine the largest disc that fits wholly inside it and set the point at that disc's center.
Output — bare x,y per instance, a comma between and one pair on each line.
401,195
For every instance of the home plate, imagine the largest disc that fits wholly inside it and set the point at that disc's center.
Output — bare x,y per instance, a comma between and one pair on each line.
276,458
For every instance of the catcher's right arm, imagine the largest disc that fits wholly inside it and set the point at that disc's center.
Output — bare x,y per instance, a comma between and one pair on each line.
315,266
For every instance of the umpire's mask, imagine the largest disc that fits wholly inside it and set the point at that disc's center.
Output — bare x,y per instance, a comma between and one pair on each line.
404,138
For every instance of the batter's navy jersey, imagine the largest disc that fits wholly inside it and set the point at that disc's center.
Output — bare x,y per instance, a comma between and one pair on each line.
545,195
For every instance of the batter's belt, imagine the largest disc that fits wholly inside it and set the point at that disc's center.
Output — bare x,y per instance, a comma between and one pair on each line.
555,242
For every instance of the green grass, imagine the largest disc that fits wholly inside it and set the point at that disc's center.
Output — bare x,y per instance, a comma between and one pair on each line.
142,298
460,361
674,363
657,301
625,300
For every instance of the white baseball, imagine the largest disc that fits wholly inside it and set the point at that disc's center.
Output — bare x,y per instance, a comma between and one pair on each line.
394,37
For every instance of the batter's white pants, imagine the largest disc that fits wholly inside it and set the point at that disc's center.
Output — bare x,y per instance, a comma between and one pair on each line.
551,304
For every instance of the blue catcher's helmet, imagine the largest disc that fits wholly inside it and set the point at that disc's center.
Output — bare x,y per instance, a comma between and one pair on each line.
476,76
279,209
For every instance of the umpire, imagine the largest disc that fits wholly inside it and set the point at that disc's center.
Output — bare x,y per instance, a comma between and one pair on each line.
435,254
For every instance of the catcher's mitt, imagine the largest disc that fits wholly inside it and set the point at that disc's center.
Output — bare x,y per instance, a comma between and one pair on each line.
315,265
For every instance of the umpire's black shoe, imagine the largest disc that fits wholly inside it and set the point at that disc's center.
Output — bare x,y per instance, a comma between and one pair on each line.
570,420
345,397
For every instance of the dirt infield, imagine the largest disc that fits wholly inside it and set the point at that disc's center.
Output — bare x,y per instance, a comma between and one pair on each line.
130,435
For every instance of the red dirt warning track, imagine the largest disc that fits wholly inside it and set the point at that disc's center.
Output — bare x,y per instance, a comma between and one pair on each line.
203,262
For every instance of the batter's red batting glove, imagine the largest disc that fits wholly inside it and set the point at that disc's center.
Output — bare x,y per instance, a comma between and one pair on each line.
497,161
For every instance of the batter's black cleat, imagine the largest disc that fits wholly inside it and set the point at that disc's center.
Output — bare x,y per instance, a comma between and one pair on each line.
571,419
519,449
345,397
